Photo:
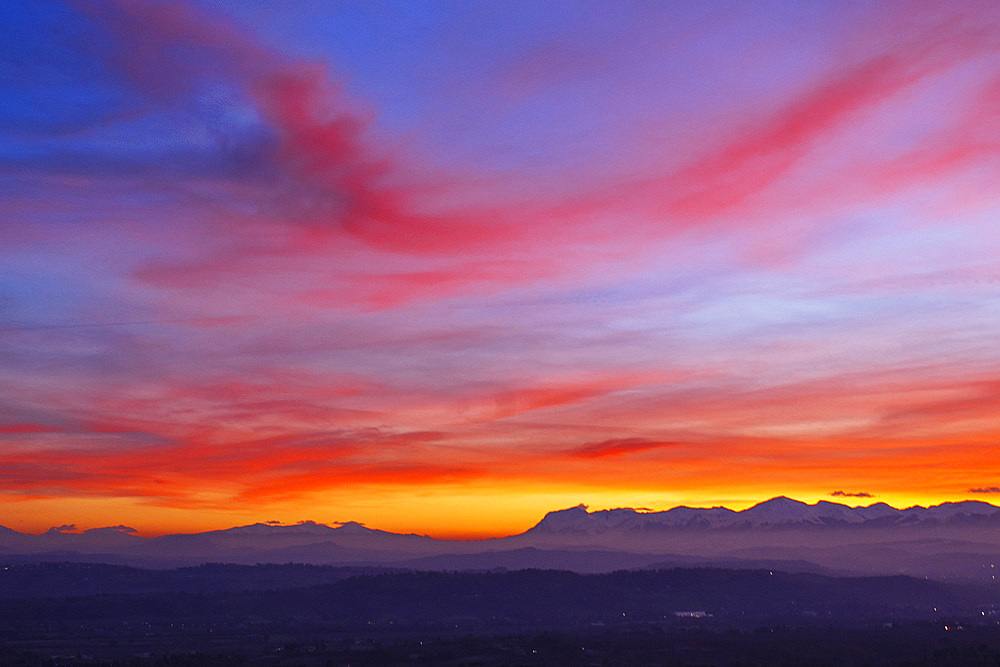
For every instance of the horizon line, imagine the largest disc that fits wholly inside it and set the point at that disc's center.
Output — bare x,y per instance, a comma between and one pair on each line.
72,529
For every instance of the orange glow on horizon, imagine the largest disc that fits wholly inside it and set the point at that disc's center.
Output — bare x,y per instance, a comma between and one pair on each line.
483,515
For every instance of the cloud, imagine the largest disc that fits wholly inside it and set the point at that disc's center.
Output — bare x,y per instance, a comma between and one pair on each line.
281,125
173,474
985,489
618,447
848,494
27,428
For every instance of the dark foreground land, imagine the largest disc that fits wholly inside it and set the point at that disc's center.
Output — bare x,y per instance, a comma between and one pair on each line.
77,614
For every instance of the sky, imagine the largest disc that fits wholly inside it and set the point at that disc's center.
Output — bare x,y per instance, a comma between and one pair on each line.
441,267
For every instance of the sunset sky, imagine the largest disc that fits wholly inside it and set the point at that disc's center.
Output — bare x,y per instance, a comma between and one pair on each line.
441,267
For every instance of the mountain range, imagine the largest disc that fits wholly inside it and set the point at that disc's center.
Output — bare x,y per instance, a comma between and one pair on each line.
947,541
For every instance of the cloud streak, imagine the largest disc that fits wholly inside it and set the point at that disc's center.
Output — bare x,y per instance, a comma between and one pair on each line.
614,448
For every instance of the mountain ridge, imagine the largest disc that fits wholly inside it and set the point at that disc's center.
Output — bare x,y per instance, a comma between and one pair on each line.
774,511
955,538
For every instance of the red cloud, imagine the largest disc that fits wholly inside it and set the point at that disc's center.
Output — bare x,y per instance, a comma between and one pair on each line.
175,474
17,429
619,447
515,401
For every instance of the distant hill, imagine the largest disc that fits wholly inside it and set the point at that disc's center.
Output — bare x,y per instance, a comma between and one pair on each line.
86,614
61,591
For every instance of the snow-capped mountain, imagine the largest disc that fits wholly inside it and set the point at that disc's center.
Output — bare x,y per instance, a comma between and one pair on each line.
960,536
776,513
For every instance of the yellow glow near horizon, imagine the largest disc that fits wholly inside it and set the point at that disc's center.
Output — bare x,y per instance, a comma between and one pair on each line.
440,513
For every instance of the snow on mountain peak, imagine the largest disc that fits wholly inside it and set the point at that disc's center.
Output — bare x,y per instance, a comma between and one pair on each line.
572,519
353,528
779,512
953,509
778,505
266,529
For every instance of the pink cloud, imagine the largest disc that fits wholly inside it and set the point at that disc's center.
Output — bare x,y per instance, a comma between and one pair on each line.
620,447
25,428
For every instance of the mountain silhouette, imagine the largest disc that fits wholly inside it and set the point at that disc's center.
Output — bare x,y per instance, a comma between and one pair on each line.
955,539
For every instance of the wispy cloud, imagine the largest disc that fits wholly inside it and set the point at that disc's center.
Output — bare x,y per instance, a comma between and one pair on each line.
615,448
850,494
